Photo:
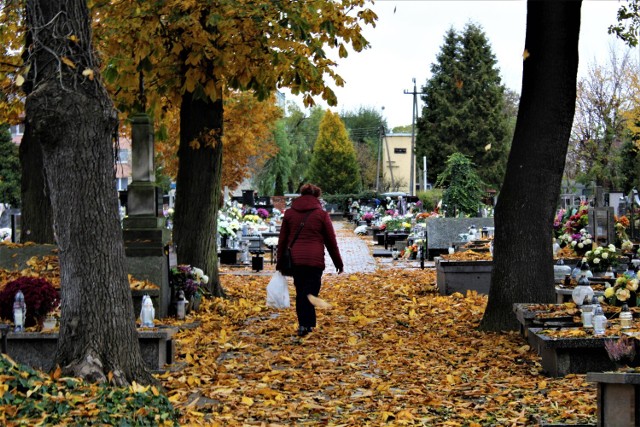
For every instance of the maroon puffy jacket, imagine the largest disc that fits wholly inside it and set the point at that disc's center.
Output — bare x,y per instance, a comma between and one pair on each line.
308,249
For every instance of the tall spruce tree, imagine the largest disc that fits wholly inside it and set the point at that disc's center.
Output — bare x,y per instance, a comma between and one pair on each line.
334,166
465,107
9,169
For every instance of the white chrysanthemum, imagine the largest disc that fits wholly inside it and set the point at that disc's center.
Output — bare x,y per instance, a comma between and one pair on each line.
605,255
612,248
587,241
596,260
581,245
205,279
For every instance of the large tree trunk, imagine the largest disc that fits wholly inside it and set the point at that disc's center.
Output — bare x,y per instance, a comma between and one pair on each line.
75,121
36,215
198,186
523,259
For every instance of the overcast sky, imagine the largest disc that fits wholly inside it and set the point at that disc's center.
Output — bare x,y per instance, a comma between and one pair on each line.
410,33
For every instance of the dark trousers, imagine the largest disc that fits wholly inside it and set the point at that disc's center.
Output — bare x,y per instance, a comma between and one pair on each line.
307,280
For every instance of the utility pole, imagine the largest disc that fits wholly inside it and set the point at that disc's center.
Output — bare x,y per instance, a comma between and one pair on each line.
413,136
380,134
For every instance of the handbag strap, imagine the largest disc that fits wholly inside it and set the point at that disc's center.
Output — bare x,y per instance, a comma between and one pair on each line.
300,228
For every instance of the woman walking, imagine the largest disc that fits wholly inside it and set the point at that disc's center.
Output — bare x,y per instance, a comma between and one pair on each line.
312,225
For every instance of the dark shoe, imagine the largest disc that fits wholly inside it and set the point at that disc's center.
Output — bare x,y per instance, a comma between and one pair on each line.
304,330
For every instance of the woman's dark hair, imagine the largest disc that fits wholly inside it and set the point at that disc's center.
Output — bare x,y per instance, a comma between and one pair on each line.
311,190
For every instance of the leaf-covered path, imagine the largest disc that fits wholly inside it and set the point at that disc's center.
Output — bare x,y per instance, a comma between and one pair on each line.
391,351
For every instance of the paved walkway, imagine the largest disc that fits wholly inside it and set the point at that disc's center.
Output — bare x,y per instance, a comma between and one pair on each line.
355,253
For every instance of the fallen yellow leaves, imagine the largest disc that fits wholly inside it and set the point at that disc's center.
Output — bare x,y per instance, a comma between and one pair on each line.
391,350
469,255
47,267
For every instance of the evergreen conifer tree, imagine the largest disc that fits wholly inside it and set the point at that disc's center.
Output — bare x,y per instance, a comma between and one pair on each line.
465,108
463,187
333,165
9,169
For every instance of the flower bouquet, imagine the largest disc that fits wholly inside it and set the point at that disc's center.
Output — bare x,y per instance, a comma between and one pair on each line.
271,241
623,291
262,213
190,280
602,257
367,216
621,224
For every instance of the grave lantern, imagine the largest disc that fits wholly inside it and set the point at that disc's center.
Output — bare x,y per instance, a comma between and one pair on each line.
181,306
147,313
586,315
582,291
19,311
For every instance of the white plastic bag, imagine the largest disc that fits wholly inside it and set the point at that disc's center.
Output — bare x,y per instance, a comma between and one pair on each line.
278,292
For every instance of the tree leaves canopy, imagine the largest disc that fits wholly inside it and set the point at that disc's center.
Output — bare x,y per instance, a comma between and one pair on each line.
236,44
465,107
334,166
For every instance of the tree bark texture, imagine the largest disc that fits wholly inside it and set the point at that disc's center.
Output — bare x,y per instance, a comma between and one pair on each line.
36,217
35,214
198,186
523,259
75,121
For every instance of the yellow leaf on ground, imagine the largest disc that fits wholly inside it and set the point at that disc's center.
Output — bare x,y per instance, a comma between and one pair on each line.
68,62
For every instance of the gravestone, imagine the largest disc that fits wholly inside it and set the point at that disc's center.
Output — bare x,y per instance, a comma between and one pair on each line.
144,232
602,225
441,232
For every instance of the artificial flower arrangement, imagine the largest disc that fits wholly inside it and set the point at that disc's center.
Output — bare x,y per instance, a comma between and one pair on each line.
571,222
410,250
262,213
626,246
252,218
271,241
188,279
602,257
623,291
367,216
227,228
40,297
232,210
580,242
621,224
392,224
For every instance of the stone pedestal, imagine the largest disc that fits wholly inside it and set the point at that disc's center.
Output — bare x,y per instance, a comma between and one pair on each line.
618,398
462,276
145,236
37,349
562,356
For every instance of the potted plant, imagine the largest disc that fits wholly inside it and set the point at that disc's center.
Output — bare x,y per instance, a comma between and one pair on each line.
40,297
191,281
622,351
